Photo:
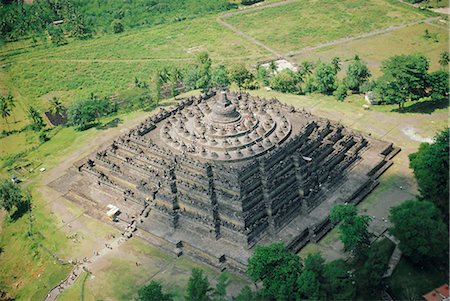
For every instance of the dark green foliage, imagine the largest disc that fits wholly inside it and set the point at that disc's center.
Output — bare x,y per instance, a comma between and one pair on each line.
262,74
422,233
10,195
153,292
341,92
117,26
357,74
84,112
336,63
444,58
198,288
56,35
219,77
204,63
250,2
220,291
286,81
278,269
43,137
325,78
404,79
246,294
439,84
369,276
240,75
311,280
5,109
37,123
353,228
339,283
430,165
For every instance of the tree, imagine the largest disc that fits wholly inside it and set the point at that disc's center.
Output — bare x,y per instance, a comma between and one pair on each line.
430,165
422,233
153,292
198,288
404,79
37,123
439,84
219,77
174,77
83,113
336,63
240,75
204,70
370,276
277,268
311,280
263,75
11,103
10,195
286,81
341,92
444,58
306,69
246,294
5,109
220,291
56,106
56,35
117,26
357,74
353,228
338,282
325,78
273,67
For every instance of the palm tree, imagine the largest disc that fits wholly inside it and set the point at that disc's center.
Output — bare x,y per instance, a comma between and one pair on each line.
273,67
11,103
444,59
5,109
306,69
35,117
56,106
336,62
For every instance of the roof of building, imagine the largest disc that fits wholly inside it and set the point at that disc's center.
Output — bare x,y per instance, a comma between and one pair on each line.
438,294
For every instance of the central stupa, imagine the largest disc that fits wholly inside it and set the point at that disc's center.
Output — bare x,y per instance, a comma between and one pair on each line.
219,173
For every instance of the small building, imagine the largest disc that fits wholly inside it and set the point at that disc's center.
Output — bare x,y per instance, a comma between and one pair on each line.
438,294
113,212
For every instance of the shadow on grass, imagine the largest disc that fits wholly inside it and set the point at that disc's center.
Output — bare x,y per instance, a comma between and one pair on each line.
111,124
424,107
21,209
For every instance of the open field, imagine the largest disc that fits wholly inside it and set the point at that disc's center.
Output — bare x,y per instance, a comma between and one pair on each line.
374,50
307,23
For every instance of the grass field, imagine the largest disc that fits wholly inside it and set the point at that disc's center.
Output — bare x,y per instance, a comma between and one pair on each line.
376,49
308,23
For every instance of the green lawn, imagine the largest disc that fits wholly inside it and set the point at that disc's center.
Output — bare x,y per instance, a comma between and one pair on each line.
376,49
311,22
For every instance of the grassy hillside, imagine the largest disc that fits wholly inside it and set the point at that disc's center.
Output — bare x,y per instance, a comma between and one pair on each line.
311,22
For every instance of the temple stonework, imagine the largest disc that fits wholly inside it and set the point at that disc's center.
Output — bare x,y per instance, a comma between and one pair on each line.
222,172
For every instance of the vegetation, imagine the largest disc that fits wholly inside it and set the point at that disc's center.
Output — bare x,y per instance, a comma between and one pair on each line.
357,74
85,112
430,165
153,292
11,197
353,229
422,233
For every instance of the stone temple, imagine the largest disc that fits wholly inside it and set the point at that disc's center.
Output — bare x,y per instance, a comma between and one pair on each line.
219,173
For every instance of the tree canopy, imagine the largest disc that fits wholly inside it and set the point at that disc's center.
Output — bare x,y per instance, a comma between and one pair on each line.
404,79
153,292
353,228
325,78
10,196
277,268
430,165
422,233
357,74
198,288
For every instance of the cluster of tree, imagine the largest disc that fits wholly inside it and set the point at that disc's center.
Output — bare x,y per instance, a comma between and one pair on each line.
198,289
320,77
406,78
12,199
85,113
21,20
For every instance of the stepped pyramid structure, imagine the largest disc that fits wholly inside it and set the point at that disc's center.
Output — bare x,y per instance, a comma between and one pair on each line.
222,172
